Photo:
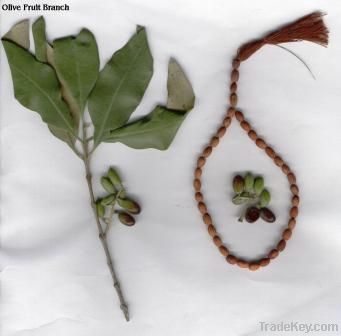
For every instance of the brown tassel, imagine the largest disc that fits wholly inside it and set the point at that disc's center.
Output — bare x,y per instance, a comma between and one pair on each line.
309,28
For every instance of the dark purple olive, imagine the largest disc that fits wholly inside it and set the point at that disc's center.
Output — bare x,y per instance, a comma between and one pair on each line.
267,215
126,219
252,214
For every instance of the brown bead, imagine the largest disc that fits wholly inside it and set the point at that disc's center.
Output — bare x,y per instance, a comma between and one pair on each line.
252,135
286,234
294,212
234,75
242,263
292,223
217,241
236,63
197,184
239,116
294,189
231,112
201,161
233,87
285,169
291,178
197,173
214,141
233,99
231,259
260,143
295,201
270,152
207,219
254,266
227,122
278,161
221,131
199,197
202,208
223,250
211,230
207,151
245,125
281,245
264,262
273,254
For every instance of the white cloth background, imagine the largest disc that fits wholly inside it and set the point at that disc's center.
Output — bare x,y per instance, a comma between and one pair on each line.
54,277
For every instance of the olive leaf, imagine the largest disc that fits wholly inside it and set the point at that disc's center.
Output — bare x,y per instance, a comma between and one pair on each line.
158,129
76,61
121,85
39,37
19,34
36,87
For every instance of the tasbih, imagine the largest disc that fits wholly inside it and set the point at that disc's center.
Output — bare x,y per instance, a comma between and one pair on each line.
308,28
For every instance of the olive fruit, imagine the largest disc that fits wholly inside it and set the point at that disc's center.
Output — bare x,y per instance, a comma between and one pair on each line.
126,219
238,184
267,215
252,214
264,198
129,205
248,180
258,185
107,185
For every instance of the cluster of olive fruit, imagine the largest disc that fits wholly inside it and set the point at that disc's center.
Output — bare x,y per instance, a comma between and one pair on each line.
250,191
105,206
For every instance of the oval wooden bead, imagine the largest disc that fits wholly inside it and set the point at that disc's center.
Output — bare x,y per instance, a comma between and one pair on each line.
207,151
264,262
273,254
236,63
217,241
231,259
223,250
227,122
270,152
260,143
294,189
211,230
278,161
294,212
198,173
245,125
214,141
199,197
202,208
254,266
234,75
286,234
285,169
239,116
295,201
197,184
207,219
231,112
291,178
233,87
252,135
221,131
233,99
292,223
201,161
242,263
281,245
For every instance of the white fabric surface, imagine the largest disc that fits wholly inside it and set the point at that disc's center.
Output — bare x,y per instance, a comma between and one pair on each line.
54,279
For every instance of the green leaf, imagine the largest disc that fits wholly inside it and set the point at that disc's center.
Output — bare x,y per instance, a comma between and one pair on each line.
180,92
121,86
39,37
76,61
19,34
37,88
156,130
63,135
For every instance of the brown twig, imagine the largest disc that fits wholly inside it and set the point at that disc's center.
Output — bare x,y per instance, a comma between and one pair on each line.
101,234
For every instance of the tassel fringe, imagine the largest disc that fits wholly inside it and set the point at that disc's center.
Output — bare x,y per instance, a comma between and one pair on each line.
308,28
